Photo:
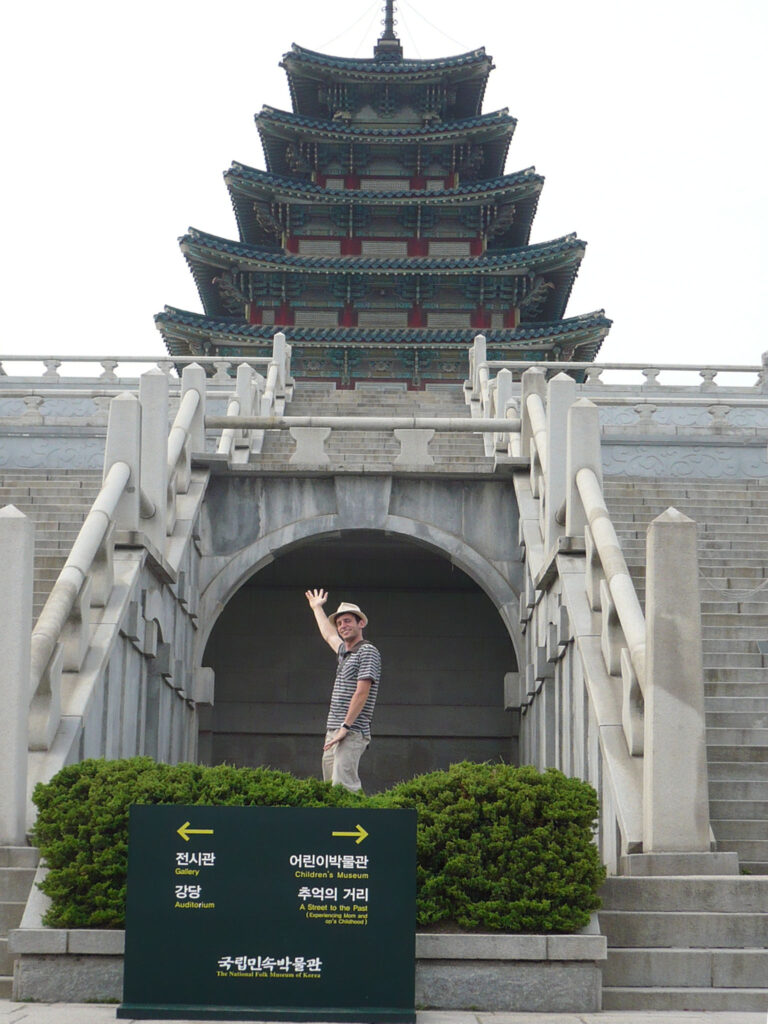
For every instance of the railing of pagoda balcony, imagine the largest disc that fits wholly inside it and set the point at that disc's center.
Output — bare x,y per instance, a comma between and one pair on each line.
725,379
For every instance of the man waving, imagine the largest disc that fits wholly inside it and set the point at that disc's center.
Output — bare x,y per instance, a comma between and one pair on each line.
358,670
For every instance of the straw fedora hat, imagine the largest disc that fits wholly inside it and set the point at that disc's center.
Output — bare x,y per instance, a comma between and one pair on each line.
345,606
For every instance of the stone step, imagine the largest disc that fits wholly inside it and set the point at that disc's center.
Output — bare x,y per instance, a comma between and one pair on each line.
725,706
19,857
747,790
731,809
716,671
15,884
6,959
738,770
733,688
750,851
741,1000
732,631
730,830
741,737
757,719
735,647
650,506
693,893
10,915
686,968
737,752
695,928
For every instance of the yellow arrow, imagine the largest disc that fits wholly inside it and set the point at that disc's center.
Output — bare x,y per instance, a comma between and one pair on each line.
359,832
185,831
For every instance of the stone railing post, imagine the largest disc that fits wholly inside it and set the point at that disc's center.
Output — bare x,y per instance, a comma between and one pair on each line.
16,555
503,398
279,356
245,390
532,382
583,452
561,394
477,358
762,377
193,379
153,398
124,445
675,789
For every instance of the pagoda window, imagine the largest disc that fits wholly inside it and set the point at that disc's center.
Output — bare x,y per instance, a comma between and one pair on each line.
386,102
332,158
359,158
433,100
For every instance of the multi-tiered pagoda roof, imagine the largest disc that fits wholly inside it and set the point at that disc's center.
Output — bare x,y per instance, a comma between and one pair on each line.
384,233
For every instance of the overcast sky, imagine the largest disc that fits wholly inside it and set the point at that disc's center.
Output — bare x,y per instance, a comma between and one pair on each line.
646,119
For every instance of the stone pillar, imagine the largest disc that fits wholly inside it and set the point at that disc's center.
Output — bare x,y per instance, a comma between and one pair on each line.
153,397
675,788
124,445
561,394
193,379
532,382
16,555
279,355
583,452
503,399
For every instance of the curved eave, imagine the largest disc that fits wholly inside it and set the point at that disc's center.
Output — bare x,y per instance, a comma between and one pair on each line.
179,328
277,128
376,69
226,254
248,186
275,187
558,262
319,128
467,74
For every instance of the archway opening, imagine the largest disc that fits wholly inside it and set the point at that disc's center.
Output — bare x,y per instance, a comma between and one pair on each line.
444,650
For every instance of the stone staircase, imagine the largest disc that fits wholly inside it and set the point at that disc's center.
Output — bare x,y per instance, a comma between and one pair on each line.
57,501
17,872
678,942
685,943
371,450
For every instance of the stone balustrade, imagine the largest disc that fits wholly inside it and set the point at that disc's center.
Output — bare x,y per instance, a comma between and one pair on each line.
583,621
677,376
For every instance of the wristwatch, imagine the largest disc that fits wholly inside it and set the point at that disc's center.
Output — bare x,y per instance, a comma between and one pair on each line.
345,726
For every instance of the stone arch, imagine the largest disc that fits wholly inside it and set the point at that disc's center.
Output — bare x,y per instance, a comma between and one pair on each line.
465,533
245,563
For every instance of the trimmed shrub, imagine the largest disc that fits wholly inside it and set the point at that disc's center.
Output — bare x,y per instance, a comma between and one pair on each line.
499,848
82,824
503,849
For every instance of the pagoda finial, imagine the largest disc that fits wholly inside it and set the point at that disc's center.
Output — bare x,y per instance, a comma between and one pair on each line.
388,46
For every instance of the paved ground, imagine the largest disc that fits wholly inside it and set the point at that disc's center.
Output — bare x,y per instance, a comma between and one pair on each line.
79,1013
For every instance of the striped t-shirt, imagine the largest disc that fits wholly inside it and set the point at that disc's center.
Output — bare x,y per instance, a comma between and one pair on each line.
362,662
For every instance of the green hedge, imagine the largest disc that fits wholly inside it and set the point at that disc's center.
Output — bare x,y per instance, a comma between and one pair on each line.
499,848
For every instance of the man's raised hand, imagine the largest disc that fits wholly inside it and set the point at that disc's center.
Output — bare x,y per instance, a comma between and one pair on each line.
316,598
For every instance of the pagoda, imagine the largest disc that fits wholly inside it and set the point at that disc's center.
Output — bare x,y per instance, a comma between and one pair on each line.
384,233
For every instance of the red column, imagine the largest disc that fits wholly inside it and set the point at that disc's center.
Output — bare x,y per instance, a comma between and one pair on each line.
348,316
480,318
418,247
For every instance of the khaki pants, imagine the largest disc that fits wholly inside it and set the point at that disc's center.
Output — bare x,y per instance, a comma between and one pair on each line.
341,761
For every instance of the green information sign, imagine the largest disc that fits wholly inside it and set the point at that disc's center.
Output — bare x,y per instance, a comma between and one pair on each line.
270,913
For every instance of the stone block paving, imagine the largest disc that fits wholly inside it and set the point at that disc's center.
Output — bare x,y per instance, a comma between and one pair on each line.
79,1013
